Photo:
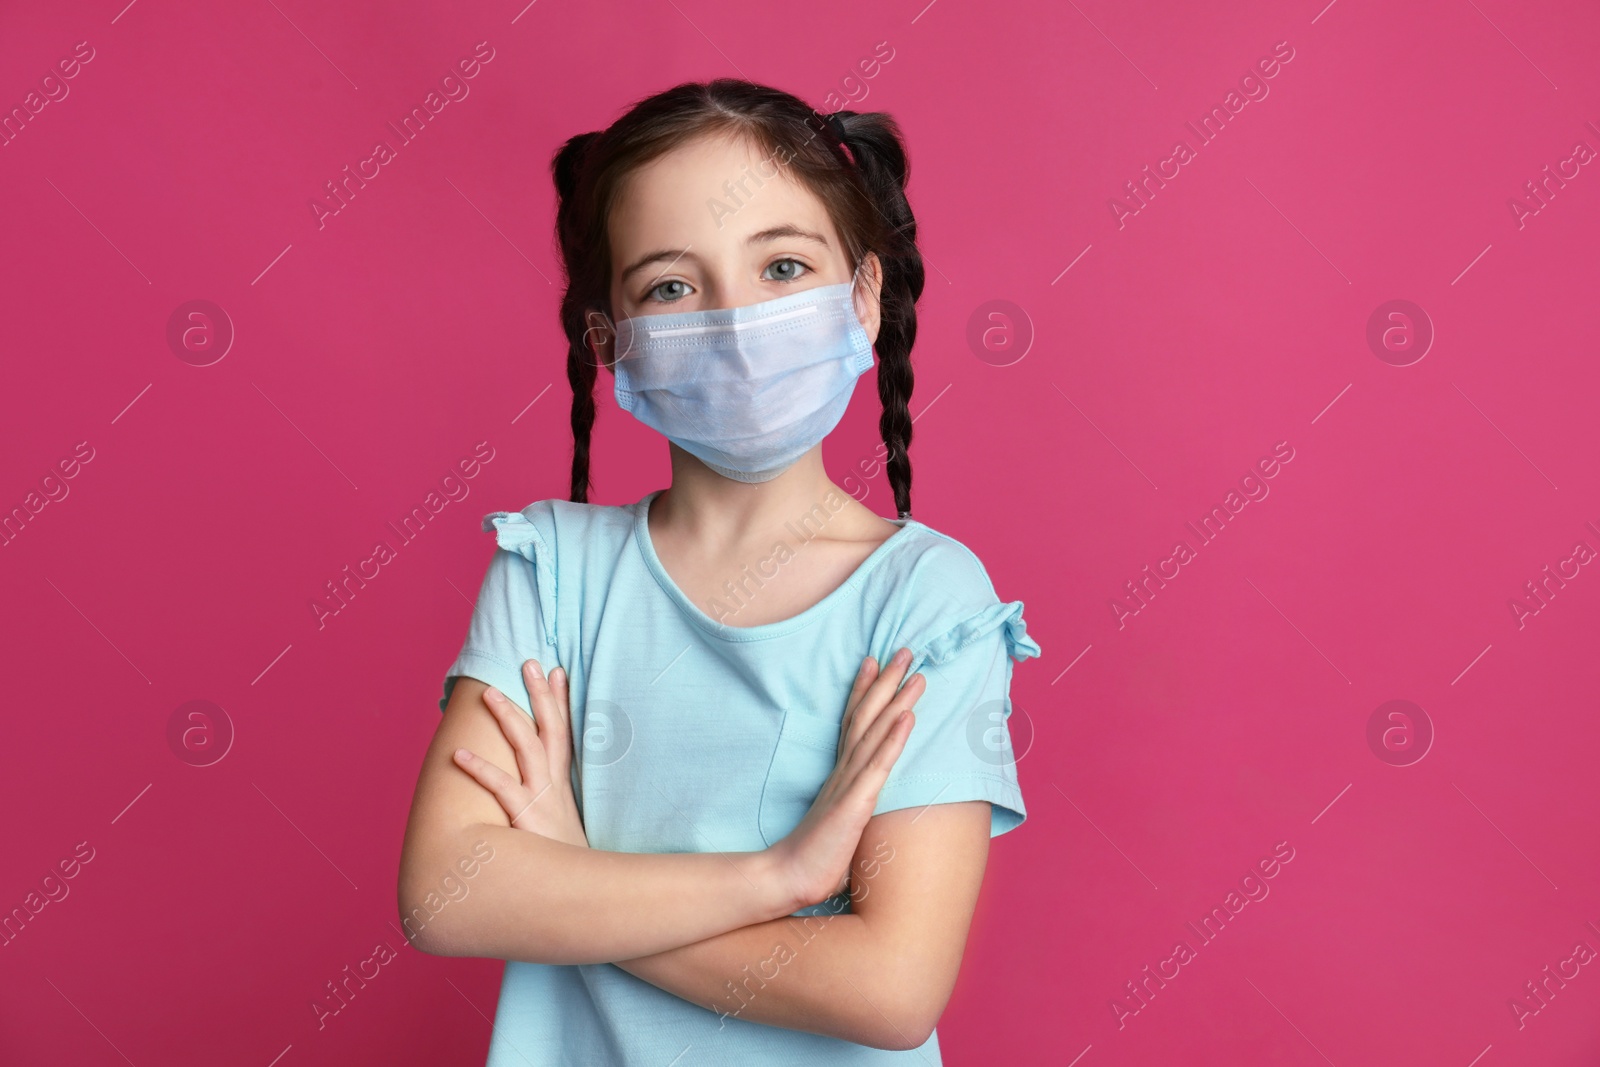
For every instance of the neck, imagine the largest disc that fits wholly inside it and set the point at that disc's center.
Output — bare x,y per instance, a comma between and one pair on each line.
717,510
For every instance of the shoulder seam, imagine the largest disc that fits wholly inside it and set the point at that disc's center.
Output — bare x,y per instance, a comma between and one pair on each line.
969,554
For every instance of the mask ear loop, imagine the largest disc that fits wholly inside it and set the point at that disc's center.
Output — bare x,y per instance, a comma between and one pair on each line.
611,330
855,280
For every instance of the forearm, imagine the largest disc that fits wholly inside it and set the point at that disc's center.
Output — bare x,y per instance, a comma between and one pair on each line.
544,901
826,974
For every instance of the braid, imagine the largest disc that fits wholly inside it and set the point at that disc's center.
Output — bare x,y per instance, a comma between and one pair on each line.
855,162
880,158
566,169
581,373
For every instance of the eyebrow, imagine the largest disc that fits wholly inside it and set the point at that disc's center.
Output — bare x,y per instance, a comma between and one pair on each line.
772,233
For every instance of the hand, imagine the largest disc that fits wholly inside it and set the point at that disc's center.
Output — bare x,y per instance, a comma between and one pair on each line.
815,858
542,801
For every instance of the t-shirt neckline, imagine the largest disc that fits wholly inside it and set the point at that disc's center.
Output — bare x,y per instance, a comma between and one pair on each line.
647,549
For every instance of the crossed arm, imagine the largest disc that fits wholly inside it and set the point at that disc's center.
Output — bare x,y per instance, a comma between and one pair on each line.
712,928
880,974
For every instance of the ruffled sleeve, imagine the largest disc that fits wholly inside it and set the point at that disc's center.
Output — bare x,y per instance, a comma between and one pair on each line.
1006,617
514,618
515,533
964,641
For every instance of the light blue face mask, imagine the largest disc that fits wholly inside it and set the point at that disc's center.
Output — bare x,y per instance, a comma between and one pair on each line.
748,390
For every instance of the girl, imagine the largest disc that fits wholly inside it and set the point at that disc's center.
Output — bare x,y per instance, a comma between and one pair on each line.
710,834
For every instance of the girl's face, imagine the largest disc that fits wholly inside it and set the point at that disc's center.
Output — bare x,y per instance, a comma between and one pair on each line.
715,224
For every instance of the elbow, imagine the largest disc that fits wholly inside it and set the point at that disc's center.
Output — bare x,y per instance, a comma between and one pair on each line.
905,1025
908,1021
422,925
902,1034
431,894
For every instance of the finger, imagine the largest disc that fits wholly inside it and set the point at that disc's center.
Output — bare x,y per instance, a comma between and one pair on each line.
868,781
879,694
546,712
521,733
507,790
558,742
863,680
885,723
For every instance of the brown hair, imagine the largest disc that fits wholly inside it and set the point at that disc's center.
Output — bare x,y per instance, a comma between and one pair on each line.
854,163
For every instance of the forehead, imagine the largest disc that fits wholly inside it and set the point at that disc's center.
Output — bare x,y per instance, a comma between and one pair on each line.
710,194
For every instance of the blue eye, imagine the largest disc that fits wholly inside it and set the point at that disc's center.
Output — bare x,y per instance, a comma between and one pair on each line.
789,277
787,269
652,294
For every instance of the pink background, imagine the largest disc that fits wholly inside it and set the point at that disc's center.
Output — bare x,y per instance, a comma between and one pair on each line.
1173,750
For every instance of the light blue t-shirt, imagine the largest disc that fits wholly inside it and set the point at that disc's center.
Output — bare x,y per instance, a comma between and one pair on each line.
698,734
